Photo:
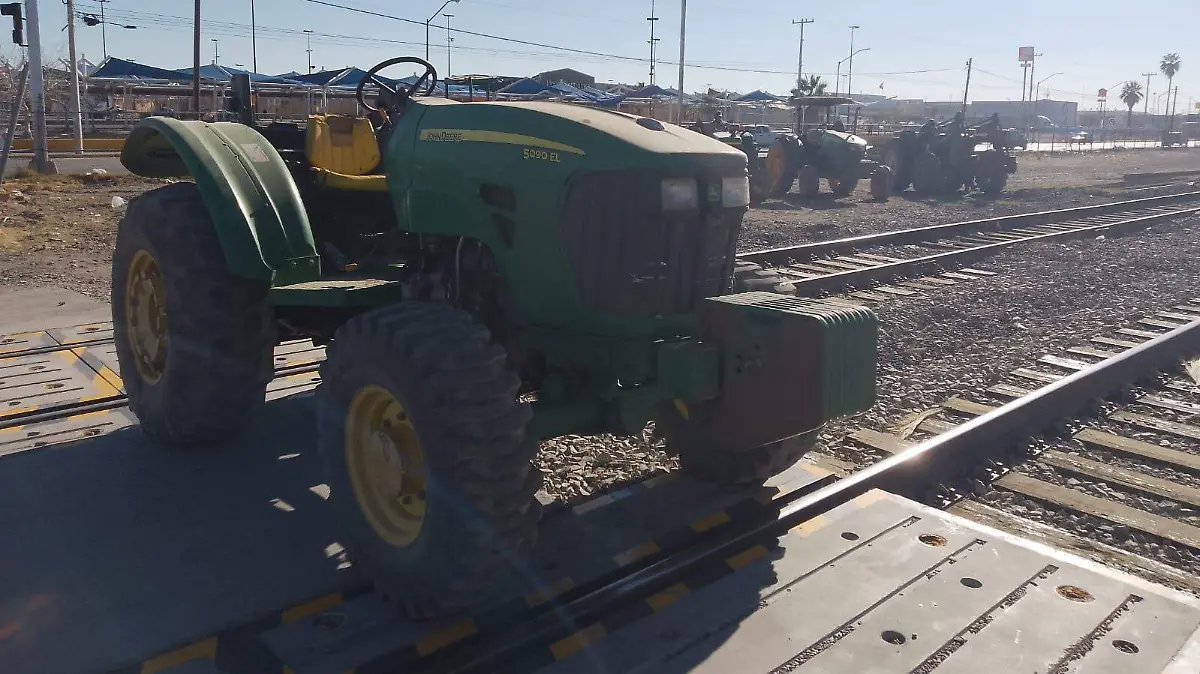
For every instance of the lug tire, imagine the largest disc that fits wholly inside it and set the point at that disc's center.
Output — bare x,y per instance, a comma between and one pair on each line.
219,327
461,398
808,181
881,183
991,173
893,158
699,456
929,176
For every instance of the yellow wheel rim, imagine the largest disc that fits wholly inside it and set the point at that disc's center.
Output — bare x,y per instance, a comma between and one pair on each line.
386,465
775,162
146,316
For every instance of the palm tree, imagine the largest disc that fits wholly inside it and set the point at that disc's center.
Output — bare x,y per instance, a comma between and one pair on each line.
812,85
1131,93
1169,65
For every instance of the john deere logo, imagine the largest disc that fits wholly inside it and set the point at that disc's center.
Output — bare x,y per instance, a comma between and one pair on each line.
714,192
442,136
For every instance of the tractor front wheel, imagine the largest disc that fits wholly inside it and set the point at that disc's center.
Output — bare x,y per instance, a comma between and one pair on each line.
881,183
991,174
423,443
808,181
193,341
686,435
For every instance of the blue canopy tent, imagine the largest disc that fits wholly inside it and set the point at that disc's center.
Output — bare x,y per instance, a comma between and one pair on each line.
758,96
120,69
525,87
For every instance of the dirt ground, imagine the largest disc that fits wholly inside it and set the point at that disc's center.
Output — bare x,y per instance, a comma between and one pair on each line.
58,230
1043,181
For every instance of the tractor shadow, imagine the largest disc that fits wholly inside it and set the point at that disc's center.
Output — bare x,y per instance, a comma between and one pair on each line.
126,549
977,199
795,202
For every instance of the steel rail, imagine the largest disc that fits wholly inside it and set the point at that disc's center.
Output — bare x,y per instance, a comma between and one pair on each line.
934,232
939,261
909,473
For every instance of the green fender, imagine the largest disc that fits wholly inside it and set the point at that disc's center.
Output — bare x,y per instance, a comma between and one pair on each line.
250,194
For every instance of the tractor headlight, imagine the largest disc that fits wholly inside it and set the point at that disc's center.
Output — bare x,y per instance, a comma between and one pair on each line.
680,194
735,192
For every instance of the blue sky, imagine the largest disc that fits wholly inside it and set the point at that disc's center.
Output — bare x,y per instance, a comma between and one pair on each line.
917,49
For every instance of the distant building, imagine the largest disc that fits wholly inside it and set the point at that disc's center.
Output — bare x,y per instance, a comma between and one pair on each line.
567,75
1018,114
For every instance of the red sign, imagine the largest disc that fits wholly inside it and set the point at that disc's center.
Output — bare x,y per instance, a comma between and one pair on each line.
1103,93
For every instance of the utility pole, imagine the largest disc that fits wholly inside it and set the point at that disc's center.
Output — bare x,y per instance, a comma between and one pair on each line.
850,71
653,40
448,40
37,91
967,88
253,41
103,37
682,35
196,61
308,48
216,51
1146,109
800,59
78,112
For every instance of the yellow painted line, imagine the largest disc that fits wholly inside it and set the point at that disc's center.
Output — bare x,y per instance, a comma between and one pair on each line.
660,480
549,592
578,641
808,526
746,557
668,596
309,608
499,137
864,500
11,429
205,649
442,639
710,522
635,553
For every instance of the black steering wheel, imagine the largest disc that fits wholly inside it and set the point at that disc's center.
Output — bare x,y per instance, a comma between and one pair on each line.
398,95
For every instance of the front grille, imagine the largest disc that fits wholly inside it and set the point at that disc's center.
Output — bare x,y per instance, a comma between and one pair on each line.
631,259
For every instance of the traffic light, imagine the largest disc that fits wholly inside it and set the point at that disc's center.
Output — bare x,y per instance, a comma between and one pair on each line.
13,9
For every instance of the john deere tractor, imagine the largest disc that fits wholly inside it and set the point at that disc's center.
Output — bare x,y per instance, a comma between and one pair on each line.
945,158
486,276
827,151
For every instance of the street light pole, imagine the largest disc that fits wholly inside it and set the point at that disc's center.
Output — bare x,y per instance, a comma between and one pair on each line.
196,61
103,35
850,73
216,50
308,47
682,35
1037,90
429,20
1146,109
253,40
78,113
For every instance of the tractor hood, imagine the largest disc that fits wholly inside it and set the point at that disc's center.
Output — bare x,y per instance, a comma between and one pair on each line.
591,130
848,138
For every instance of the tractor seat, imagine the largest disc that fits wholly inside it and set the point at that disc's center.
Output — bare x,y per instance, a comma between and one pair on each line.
344,152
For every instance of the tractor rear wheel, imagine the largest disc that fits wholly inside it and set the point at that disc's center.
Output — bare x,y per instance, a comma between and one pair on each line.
423,443
193,341
991,175
698,454
808,180
929,176
894,159
779,168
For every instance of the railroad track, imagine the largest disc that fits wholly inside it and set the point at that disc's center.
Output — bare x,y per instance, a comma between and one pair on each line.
634,600
856,263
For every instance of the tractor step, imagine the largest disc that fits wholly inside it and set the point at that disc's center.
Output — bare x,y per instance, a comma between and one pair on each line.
352,292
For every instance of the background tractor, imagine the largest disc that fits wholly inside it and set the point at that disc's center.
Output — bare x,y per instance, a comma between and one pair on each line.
944,158
827,151
485,275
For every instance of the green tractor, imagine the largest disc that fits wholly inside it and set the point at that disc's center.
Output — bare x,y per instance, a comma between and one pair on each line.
944,158
486,276
827,151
